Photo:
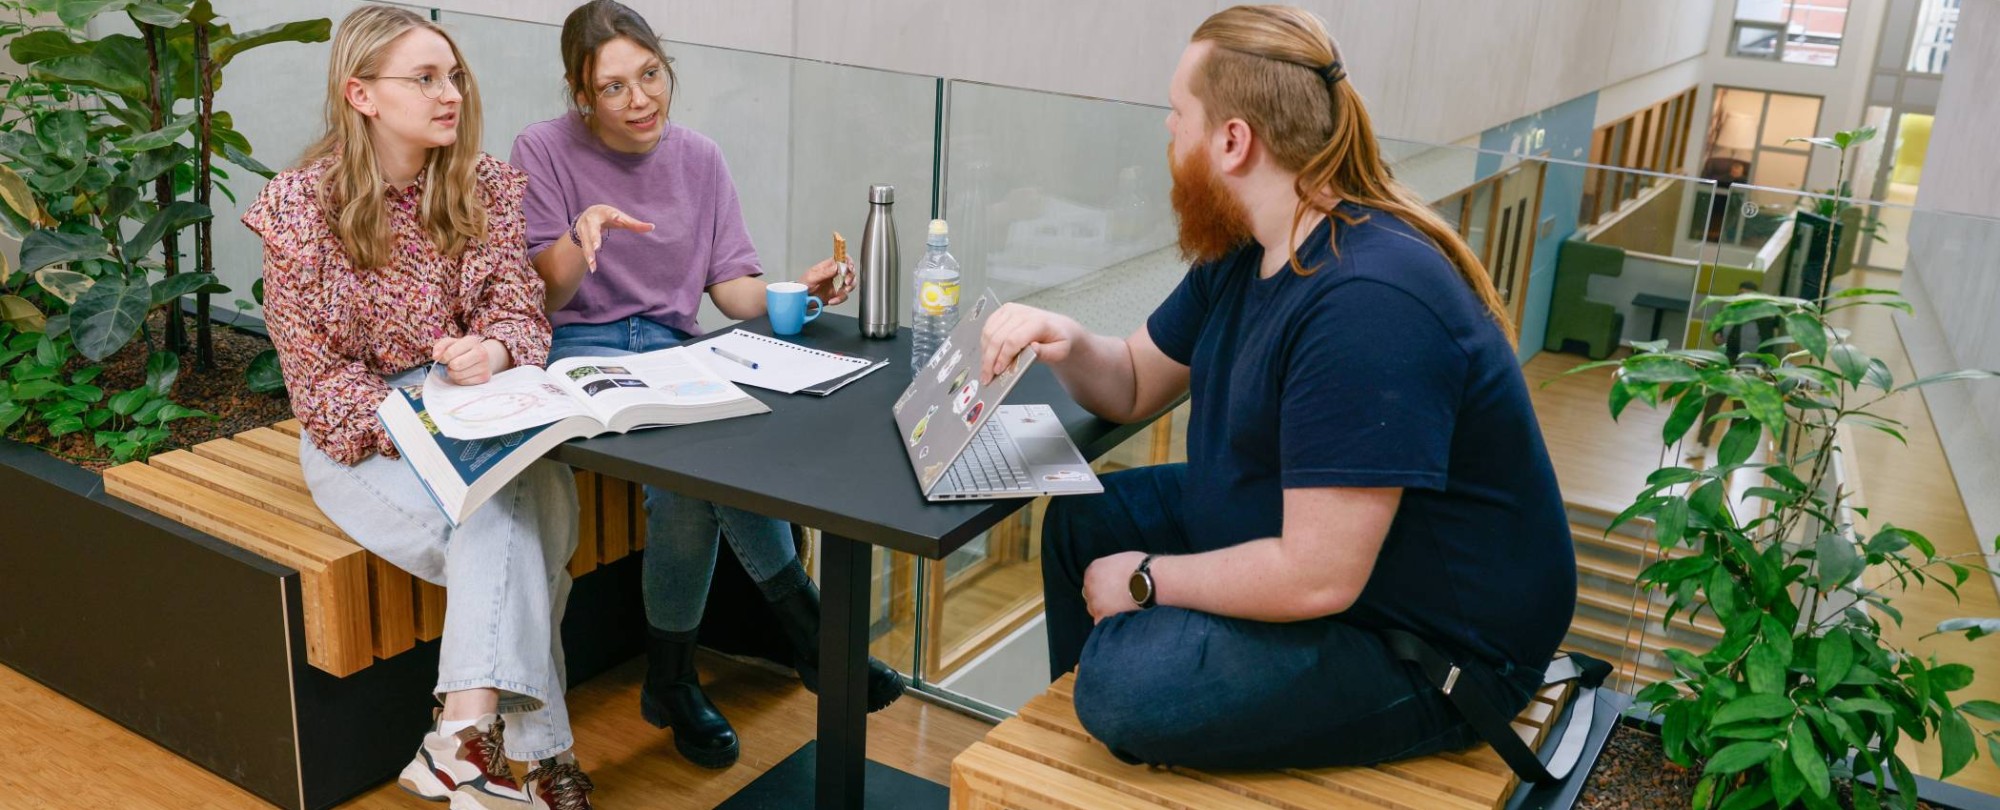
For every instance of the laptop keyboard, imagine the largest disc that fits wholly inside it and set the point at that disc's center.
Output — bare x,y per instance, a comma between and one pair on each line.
990,464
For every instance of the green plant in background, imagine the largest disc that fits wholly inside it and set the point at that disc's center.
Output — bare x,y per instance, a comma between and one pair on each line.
94,126
1802,688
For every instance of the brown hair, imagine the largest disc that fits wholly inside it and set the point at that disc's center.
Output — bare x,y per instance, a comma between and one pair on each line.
351,190
591,25
1276,68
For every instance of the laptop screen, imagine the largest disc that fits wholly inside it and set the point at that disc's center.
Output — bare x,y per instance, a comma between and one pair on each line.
937,416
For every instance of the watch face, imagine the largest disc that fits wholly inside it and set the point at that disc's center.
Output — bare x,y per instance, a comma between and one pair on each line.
1141,586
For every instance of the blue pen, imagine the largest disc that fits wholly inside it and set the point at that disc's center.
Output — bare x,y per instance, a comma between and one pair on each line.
731,357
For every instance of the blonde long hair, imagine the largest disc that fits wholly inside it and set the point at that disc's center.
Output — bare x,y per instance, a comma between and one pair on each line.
351,191
1272,67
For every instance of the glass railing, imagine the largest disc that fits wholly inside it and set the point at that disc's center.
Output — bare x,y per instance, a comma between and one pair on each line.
1062,202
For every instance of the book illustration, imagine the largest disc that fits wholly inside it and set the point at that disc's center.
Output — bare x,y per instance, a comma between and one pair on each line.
612,384
577,374
924,424
494,407
966,394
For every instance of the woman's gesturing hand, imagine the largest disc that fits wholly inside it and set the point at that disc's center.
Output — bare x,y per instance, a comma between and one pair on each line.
588,231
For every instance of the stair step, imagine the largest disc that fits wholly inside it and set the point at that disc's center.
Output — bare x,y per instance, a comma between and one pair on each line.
1615,571
1622,604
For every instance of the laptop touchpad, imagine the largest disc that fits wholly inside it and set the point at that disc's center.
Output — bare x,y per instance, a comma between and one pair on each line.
1041,450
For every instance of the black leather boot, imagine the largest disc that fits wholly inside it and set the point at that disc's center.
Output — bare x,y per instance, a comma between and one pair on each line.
672,697
798,617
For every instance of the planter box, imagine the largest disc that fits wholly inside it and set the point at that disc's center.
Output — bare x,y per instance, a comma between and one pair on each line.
200,646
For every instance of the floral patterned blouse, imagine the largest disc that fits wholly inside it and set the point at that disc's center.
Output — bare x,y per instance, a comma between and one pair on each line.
340,331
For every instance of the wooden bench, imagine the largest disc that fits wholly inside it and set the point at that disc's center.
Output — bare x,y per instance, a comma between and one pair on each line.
1044,760
249,490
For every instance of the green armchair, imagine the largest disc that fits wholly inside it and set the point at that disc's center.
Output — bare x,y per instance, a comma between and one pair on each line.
1576,323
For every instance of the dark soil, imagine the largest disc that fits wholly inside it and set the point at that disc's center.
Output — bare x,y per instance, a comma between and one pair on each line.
221,391
1632,774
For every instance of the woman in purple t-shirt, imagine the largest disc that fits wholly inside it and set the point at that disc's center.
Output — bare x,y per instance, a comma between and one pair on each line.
616,163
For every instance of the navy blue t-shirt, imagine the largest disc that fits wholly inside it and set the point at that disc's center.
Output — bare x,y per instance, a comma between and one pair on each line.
1381,369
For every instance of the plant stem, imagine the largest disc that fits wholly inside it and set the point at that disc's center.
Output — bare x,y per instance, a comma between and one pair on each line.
163,186
204,233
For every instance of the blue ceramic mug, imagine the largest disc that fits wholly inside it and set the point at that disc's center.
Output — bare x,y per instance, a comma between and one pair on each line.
787,302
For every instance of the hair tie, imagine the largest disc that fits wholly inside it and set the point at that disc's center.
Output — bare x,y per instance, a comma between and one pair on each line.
1333,72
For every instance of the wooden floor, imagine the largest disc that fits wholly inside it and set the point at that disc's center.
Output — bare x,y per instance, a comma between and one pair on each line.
68,757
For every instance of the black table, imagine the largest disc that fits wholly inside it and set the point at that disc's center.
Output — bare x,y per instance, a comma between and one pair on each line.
1659,304
833,463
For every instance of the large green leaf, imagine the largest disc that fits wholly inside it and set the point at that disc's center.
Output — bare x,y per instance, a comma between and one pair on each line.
1852,361
175,216
15,192
1765,404
37,46
1810,760
1831,658
1685,412
175,286
226,48
107,317
166,134
1808,331
151,163
162,368
1948,376
1765,667
1955,736
1951,677
1739,757
264,374
11,412
1983,709
164,14
45,247
98,69
75,13
1659,368
1838,562
1753,707
1739,442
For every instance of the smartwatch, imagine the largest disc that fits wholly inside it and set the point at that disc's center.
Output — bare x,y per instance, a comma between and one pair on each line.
1141,584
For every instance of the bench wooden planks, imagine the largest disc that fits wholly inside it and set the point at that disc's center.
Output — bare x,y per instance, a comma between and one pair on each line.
1044,758
249,490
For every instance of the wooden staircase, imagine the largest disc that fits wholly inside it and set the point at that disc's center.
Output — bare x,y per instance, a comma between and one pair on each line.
1616,620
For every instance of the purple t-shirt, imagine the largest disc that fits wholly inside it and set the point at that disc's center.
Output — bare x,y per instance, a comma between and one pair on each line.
682,186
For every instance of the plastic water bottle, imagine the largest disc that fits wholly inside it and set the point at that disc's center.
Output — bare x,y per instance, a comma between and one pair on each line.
936,299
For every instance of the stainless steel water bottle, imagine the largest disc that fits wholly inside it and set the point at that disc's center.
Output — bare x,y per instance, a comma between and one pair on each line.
876,283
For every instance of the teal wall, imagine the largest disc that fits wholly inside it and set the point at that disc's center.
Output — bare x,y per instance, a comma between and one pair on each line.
1566,130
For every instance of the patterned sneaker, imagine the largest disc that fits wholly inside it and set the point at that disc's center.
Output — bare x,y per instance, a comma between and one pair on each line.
468,769
558,784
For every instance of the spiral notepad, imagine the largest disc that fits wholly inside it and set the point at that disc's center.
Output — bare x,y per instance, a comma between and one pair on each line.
782,365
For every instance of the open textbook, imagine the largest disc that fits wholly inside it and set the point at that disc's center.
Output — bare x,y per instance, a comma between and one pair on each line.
465,442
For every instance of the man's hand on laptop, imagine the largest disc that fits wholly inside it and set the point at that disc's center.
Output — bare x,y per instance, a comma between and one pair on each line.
1015,327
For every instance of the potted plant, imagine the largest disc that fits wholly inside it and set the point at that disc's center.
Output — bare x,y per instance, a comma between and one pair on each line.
1802,689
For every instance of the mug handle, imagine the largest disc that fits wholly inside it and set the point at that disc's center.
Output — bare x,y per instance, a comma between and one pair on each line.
817,307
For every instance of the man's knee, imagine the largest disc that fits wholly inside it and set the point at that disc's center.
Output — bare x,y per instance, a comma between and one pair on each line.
1128,712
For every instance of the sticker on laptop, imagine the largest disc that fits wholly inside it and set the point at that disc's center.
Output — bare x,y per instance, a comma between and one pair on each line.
917,433
949,367
1065,476
972,416
938,355
979,307
963,399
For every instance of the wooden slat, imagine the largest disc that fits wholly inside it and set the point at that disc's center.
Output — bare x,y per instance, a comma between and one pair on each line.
392,602
615,516
273,442
256,492
289,427
1444,774
1386,789
1055,714
430,611
255,462
588,533
986,778
333,573
1089,760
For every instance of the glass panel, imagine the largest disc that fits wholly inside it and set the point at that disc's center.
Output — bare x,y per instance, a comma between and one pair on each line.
1816,30
1479,219
1780,170
1937,24
1756,41
1790,116
1774,11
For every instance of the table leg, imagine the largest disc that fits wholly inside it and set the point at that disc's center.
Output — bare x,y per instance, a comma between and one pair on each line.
1657,315
843,673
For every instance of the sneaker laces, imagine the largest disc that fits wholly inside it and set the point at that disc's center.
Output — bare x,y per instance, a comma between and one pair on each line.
566,782
488,743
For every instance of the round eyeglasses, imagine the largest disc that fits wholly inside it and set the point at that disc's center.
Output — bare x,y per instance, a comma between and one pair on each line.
429,85
619,95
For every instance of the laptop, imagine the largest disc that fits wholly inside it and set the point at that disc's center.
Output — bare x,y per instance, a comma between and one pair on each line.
964,445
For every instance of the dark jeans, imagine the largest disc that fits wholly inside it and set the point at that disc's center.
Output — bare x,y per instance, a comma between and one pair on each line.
682,533
1169,686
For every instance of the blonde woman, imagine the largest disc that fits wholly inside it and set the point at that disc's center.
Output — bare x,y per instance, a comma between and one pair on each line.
396,244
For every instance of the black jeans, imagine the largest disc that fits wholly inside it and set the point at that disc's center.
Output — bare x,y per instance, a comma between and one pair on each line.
1168,686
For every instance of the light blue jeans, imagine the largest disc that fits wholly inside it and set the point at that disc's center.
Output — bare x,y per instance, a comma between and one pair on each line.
682,533
504,570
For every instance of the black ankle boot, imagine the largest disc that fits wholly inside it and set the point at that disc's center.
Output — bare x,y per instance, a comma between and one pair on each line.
672,697
798,616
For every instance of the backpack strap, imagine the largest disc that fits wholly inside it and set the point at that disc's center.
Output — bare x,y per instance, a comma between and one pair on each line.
1475,690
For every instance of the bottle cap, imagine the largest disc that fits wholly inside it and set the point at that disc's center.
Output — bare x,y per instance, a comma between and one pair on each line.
881,193
940,233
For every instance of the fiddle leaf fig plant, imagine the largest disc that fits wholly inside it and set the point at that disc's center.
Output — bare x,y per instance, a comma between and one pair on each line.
1802,688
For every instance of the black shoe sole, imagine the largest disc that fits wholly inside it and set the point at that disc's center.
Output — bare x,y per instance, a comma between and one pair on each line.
879,695
713,759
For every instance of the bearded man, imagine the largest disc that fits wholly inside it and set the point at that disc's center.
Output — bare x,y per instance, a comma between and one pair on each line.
1363,460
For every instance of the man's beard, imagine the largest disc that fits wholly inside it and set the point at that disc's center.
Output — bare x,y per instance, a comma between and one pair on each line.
1212,221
